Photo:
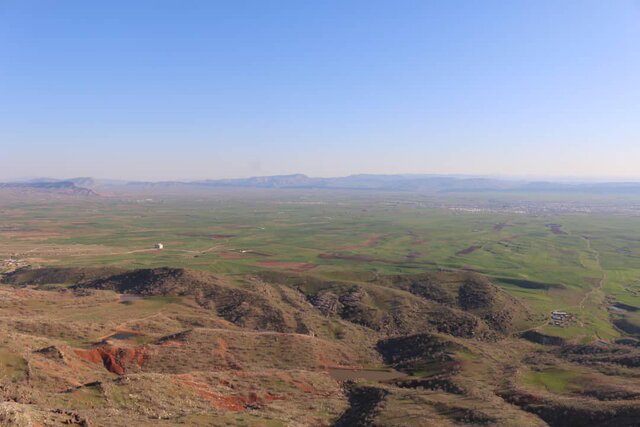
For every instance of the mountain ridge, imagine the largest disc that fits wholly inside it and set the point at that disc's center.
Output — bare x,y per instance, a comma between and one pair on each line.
398,182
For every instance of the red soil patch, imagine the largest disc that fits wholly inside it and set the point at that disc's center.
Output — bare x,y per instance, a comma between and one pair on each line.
221,352
93,356
271,397
300,385
370,242
114,359
230,255
220,401
221,348
293,266
230,403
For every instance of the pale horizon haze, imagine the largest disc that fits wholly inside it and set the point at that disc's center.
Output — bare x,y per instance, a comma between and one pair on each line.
162,90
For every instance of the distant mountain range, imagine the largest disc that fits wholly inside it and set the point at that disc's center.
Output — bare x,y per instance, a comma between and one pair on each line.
416,183
410,183
405,183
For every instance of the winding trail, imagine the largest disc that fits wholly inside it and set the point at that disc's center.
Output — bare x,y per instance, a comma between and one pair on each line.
603,279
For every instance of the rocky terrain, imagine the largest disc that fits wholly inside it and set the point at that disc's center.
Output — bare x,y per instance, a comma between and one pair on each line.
169,346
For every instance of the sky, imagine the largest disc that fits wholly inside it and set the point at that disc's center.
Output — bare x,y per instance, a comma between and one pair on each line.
183,89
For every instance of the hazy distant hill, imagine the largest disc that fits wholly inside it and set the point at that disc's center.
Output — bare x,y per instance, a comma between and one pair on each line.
419,183
600,187
276,181
408,183
54,187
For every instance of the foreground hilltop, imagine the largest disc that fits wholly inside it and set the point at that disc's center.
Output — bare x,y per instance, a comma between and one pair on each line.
185,347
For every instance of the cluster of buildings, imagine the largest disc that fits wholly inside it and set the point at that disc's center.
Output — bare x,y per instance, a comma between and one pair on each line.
561,318
10,264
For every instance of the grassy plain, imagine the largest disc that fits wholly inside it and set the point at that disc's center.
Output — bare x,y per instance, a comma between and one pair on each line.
577,262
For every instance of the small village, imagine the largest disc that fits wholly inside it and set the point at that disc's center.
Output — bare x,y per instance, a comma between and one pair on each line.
561,318
11,264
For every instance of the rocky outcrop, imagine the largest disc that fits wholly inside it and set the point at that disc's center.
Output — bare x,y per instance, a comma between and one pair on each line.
476,294
540,338
327,302
57,275
52,352
560,412
627,326
469,292
433,356
154,281
243,307
602,354
364,403
117,360
415,351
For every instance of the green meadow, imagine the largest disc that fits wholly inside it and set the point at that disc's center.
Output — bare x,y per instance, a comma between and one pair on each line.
577,262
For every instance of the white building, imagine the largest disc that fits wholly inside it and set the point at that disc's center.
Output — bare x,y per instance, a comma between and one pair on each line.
159,246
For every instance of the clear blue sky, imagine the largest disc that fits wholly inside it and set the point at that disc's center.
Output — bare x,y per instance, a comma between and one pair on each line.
205,89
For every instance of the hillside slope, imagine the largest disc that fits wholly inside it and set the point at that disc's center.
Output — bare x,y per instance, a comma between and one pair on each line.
186,347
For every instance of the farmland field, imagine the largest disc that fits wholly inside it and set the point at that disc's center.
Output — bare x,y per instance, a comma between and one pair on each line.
577,262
